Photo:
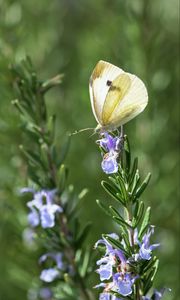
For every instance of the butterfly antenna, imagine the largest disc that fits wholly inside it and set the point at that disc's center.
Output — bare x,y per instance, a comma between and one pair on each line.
81,130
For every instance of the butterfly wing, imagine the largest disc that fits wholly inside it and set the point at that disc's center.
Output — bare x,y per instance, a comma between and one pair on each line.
100,82
117,91
133,103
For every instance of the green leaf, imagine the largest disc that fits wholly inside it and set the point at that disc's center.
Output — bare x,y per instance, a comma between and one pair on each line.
78,255
145,222
112,191
148,280
51,127
156,265
27,63
122,222
82,194
136,208
148,265
68,279
73,209
22,109
44,155
110,188
133,171
114,180
125,237
32,157
62,177
120,199
127,154
32,130
135,182
138,214
122,188
34,177
142,187
83,235
114,212
64,240
50,83
34,81
115,243
84,264
64,149
103,207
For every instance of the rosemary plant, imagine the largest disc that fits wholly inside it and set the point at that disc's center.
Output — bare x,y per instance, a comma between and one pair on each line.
127,266
52,205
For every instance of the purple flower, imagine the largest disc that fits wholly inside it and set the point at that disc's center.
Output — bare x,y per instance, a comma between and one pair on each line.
114,266
107,262
47,215
109,163
27,190
110,254
108,296
105,296
106,267
109,143
33,217
29,236
48,275
112,147
146,249
108,246
45,293
57,257
124,283
42,208
157,295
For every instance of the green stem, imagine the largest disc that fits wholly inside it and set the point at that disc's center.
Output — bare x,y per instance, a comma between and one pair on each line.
138,296
128,212
84,292
68,251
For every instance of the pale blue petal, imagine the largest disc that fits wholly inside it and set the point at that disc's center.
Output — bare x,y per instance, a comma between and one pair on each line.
48,275
33,218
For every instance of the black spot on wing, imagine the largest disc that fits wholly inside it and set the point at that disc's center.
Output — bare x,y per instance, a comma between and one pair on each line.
115,88
109,83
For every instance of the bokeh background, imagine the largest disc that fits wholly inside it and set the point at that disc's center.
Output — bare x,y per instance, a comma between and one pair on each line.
69,37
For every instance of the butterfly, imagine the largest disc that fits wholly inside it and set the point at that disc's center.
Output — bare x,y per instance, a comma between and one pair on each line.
116,96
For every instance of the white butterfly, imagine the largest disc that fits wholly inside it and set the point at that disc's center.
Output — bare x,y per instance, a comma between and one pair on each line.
116,96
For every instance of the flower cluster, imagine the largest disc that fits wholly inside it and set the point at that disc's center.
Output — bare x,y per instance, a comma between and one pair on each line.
117,272
157,295
42,208
145,249
44,293
112,147
50,274
114,266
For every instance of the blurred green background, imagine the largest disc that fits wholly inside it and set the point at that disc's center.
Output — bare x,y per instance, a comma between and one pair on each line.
69,36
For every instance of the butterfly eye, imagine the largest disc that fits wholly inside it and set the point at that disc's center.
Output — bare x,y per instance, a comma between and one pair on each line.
108,83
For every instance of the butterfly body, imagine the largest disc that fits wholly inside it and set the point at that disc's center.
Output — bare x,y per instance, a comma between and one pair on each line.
116,96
